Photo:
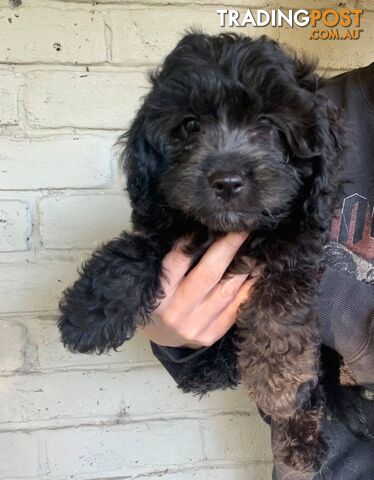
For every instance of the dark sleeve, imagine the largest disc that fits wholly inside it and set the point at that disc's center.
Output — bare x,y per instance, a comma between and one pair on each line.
346,312
203,370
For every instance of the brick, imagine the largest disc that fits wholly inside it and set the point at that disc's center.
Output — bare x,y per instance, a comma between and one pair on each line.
237,438
8,99
140,36
339,54
32,342
82,221
19,455
15,225
101,100
55,162
114,395
52,355
51,35
12,345
123,449
250,472
35,285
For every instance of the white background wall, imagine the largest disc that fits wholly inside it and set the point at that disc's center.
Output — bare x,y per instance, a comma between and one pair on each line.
71,74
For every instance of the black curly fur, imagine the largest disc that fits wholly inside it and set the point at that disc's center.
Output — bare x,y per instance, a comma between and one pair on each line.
229,104
116,292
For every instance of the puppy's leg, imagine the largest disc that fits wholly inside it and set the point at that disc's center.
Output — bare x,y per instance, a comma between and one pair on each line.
278,358
117,290
297,441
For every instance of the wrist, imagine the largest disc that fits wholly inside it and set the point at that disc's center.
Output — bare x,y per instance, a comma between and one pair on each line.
179,354
191,346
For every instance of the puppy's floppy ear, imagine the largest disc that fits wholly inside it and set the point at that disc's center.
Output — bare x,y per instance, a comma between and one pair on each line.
140,162
317,136
326,141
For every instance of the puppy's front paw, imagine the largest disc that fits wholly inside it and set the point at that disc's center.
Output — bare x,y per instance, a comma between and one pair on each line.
304,457
116,292
298,443
86,326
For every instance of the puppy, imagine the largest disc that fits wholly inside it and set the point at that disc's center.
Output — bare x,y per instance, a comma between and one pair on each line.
233,136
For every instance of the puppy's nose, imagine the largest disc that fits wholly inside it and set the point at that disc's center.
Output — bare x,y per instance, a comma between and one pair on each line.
226,185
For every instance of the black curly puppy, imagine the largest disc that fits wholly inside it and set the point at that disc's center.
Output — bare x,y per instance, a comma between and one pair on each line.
233,136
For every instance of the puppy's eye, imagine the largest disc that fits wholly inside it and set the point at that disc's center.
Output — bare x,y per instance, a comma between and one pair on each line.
190,125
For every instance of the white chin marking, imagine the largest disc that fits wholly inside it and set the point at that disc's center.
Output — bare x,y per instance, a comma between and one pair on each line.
226,222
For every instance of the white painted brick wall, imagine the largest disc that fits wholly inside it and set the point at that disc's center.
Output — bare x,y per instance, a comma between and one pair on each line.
71,76
251,472
111,395
52,35
81,221
98,100
82,161
15,227
12,333
141,40
32,285
45,351
8,99
125,449
11,464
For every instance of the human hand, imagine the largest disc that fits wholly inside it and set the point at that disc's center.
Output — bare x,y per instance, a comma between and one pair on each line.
200,307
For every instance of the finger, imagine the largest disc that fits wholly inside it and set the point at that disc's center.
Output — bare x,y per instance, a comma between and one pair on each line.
208,272
224,292
212,305
175,264
226,319
244,294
